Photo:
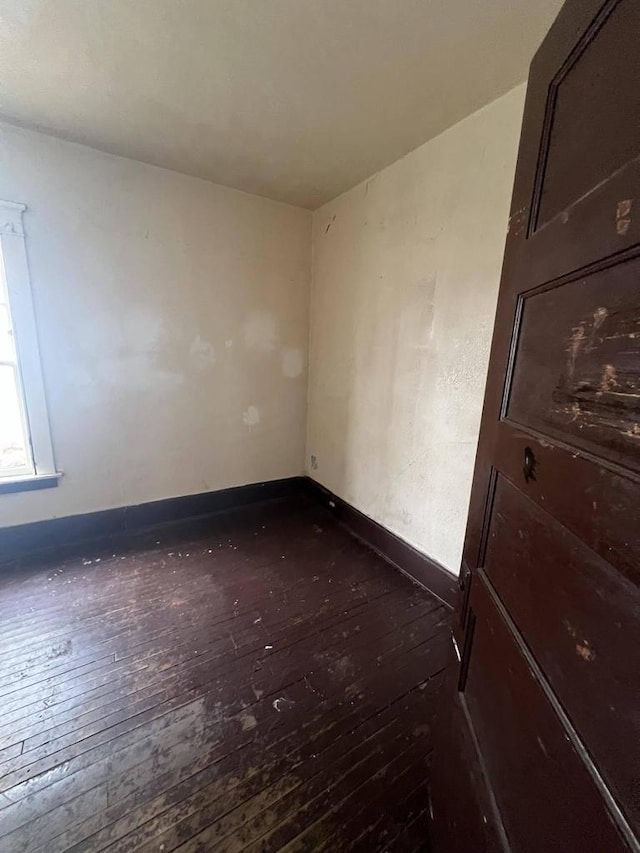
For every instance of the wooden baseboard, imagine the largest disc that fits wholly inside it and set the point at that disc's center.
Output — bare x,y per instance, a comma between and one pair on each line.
66,533
418,566
59,533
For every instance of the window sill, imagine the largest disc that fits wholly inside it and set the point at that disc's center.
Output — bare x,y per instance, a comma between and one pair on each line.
28,483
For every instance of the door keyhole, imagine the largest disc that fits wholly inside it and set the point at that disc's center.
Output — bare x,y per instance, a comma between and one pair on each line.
529,467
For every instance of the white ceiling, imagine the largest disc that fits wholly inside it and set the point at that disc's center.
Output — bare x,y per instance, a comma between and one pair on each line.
297,100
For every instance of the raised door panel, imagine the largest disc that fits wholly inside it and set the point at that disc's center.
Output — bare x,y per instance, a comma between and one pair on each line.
463,815
581,620
576,372
592,126
546,796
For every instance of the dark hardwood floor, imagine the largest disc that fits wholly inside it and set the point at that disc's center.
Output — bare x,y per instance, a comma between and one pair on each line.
258,682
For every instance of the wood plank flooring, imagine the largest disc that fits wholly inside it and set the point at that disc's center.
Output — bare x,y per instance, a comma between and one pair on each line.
258,682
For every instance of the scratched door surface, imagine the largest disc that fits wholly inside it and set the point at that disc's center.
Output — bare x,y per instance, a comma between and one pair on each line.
549,678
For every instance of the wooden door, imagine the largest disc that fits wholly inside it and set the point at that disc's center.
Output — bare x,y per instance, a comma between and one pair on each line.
540,744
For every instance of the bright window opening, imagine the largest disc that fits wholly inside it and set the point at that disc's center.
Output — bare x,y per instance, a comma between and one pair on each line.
15,449
26,452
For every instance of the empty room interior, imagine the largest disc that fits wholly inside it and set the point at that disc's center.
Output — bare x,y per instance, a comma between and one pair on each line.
319,426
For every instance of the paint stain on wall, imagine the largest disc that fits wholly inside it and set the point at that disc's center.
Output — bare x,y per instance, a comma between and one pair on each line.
261,331
292,362
202,353
251,416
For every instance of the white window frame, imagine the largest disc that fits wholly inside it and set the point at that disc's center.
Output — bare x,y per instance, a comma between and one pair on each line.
34,403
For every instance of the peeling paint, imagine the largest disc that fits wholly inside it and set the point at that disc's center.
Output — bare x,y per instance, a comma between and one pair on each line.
586,653
623,216
575,342
608,381
599,316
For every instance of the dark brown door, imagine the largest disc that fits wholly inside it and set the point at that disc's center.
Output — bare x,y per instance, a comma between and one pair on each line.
544,736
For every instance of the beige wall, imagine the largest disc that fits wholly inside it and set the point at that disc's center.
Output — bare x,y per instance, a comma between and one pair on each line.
172,316
173,323
406,269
